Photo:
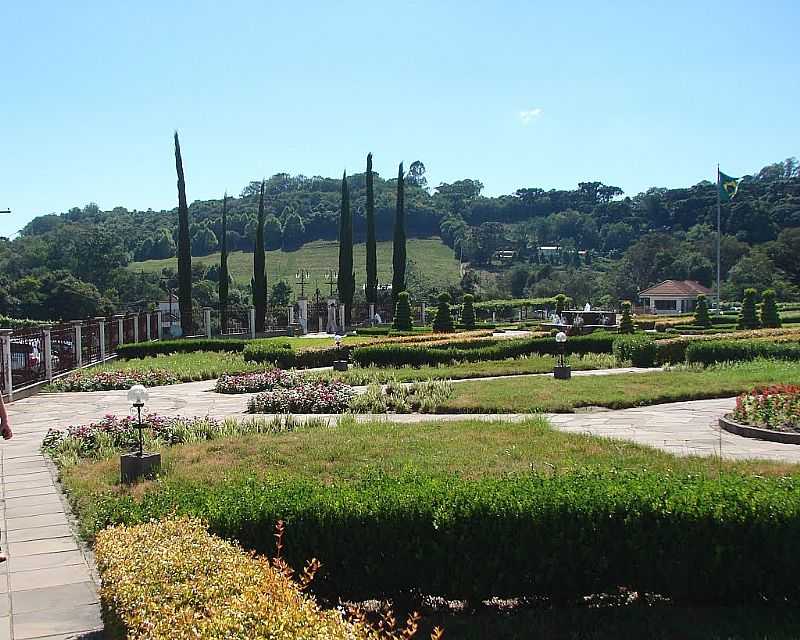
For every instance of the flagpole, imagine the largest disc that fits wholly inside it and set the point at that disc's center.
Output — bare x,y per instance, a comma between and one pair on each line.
719,232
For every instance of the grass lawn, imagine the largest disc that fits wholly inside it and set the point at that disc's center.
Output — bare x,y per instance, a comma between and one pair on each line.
617,391
350,451
432,257
460,371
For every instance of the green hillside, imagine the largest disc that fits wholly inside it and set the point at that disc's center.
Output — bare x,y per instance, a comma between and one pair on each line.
432,260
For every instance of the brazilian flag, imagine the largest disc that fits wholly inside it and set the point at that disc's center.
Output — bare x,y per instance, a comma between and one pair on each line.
728,187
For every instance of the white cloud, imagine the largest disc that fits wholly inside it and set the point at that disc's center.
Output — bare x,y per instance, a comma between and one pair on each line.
526,117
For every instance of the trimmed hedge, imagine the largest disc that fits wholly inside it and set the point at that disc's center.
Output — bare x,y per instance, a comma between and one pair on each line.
159,347
284,356
713,351
398,355
726,539
639,349
172,579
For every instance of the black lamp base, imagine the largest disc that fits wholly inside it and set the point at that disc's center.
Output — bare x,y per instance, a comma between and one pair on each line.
133,467
562,372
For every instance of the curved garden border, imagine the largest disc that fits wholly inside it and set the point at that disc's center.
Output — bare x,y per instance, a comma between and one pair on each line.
747,431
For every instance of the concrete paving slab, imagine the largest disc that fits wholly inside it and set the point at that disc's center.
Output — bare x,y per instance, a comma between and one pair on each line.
45,561
25,522
54,621
57,597
52,577
53,545
39,533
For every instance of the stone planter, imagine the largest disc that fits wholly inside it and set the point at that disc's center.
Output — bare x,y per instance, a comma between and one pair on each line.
562,373
133,467
746,431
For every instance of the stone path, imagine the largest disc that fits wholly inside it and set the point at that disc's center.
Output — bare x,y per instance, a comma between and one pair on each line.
47,590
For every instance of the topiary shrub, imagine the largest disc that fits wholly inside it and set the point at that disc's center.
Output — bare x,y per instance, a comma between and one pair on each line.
443,322
747,317
402,313
701,317
770,318
626,324
468,312
561,302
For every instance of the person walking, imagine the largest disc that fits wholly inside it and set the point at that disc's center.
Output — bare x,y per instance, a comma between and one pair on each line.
5,431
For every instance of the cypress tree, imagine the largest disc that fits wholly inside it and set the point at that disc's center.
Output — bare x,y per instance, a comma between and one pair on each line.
443,322
184,249
259,264
371,289
770,318
626,324
346,281
701,317
468,312
223,268
747,316
402,313
399,240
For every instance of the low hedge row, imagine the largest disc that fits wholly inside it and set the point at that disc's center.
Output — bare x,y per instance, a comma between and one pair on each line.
714,351
724,539
640,350
172,579
397,355
159,347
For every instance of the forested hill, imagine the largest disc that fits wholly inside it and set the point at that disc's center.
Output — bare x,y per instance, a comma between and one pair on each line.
85,249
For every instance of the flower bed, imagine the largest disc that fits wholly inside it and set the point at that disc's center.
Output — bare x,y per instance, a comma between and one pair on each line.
254,382
318,396
115,432
776,408
113,380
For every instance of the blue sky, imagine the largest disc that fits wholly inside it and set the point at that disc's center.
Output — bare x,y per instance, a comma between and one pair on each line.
512,93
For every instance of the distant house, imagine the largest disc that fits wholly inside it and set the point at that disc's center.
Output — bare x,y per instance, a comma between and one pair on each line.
672,296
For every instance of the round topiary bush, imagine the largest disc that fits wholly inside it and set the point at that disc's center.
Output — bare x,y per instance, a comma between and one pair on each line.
626,324
443,322
402,313
561,302
468,312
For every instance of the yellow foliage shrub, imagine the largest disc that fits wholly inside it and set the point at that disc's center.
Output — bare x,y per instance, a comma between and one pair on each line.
173,580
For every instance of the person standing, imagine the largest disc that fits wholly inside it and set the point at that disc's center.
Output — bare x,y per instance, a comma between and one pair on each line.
5,431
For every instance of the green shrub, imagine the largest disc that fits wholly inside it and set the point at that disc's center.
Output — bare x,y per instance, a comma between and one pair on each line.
639,350
626,324
443,322
724,539
747,317
769,310
185,345
279,354
468,312
701,317
402,313
171,579
712,351
398,355
561,303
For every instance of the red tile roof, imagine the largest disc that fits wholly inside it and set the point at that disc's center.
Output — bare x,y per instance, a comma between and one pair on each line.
678,288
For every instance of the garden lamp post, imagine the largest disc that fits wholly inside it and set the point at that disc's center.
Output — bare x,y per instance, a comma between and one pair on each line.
138,464
340,364
561,371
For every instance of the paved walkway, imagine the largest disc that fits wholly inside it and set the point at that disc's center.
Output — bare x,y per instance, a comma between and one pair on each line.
46,587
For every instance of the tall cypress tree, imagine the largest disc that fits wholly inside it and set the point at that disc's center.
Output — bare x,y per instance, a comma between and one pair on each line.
399,241
346,281
184,249
223,268
259,264
371,290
